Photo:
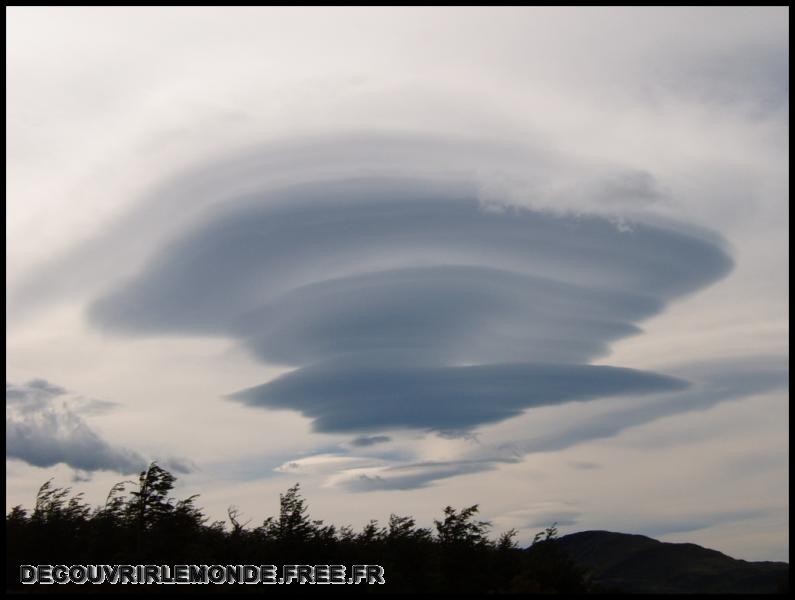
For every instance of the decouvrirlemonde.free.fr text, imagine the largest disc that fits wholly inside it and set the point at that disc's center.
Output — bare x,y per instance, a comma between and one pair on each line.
198,574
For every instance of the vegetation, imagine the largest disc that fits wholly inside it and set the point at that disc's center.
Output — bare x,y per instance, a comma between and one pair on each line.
148,526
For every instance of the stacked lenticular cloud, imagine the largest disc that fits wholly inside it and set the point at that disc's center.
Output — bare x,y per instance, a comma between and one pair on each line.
403,300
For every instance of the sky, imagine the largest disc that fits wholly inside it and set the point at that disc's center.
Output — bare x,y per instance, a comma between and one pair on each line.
530,258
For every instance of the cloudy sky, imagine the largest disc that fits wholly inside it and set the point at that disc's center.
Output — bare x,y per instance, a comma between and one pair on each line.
535,259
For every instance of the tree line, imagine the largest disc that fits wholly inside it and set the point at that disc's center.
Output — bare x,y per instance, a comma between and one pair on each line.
146,525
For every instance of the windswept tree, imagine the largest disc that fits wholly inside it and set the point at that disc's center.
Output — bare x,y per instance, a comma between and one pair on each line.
151,501
464,548
293,524
459,528
161,522
141,522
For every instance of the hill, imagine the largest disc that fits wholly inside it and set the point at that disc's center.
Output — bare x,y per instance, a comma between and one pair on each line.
639,564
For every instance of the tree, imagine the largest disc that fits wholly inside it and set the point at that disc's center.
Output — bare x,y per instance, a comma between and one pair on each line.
404,529
293,525
459,528
150,503
148,526
507,540
233,512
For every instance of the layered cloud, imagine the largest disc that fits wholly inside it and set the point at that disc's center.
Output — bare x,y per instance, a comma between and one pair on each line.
414,301
420,216
361,396
370,169
398,464
411,475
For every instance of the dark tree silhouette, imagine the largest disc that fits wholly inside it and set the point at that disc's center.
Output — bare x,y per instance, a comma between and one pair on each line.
141,523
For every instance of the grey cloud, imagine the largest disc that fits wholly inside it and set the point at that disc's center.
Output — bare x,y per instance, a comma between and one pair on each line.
92,406
417,475
183,201
369,440
50,437
45,426
33,395
240,259
711,383
585,465
80,476
362,396
178,465
655,527
45,386
451,314
560,518
407,302
40,393
631,188
750,76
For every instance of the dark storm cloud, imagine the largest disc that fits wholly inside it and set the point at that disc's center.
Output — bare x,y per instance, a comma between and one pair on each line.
411,301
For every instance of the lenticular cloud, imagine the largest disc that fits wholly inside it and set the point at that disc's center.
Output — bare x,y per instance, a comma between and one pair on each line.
402,300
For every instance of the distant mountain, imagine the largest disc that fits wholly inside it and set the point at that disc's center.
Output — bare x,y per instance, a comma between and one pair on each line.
638,564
